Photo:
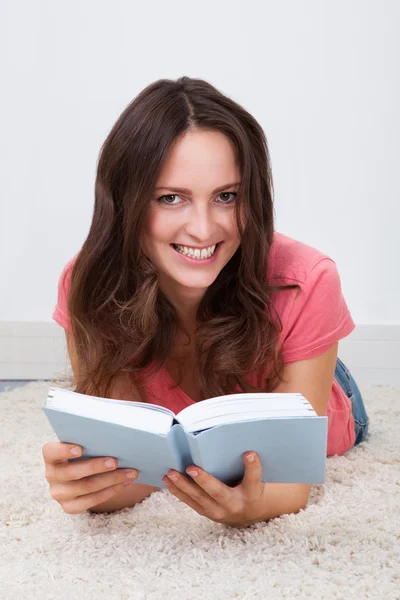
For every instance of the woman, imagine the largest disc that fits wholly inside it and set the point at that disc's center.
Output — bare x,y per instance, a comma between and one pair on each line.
183,291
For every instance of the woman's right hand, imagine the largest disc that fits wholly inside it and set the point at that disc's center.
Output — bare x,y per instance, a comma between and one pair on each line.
80,485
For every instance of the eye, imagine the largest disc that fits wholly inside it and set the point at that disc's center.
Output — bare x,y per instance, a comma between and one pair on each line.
229,194
163,199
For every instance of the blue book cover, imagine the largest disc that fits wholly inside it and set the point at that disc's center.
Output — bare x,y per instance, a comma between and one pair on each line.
292,449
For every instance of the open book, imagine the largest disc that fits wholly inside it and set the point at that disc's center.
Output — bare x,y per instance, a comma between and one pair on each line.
284,429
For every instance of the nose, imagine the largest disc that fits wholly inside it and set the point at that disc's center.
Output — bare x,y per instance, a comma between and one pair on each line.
201,223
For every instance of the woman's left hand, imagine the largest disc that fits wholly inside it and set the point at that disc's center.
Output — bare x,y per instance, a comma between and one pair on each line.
233,506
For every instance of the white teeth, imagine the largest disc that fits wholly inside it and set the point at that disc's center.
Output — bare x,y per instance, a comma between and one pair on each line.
195,252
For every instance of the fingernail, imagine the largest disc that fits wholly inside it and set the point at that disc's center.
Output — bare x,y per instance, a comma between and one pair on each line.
109,462
250,458
192,473
75,451
131,475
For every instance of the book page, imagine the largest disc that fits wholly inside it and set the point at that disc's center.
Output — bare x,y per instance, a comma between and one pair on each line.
136,415
242,407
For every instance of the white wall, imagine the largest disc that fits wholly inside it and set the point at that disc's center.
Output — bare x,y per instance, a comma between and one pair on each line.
321,77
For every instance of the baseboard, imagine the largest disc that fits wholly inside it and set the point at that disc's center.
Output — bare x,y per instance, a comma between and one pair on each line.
37,350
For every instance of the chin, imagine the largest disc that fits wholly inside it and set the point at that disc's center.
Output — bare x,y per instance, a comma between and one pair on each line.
199,283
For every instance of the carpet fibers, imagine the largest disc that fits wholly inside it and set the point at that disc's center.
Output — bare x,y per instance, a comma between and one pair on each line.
345,544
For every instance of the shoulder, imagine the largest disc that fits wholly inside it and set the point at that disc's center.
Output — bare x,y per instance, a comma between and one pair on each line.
67,269
316,274
60,313
64,281
293,261
318,316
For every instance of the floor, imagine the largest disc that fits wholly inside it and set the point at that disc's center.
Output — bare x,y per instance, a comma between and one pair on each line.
344,544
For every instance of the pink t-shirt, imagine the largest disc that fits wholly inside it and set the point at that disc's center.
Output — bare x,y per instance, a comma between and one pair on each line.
317,319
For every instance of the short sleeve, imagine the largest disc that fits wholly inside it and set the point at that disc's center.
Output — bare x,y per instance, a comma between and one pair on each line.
60,314
319,316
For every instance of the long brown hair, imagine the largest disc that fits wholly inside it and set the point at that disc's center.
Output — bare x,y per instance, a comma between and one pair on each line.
121,320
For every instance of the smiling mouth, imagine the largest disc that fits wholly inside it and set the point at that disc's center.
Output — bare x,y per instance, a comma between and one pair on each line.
197,255
193,248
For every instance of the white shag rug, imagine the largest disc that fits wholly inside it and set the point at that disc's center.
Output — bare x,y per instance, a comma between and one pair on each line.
345,544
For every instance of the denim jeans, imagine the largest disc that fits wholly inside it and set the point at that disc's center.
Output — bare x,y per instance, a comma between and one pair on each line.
348,384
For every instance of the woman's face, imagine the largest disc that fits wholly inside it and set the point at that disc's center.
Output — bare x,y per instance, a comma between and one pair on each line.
198,218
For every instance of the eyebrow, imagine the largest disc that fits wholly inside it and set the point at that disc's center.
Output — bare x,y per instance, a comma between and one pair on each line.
187,191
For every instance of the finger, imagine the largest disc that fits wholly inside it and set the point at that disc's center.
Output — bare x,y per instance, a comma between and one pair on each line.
184,497
71,471
88,485
207,491
83,503
251,484
58,452
214,488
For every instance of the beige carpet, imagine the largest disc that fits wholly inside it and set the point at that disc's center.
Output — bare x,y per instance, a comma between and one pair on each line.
345,544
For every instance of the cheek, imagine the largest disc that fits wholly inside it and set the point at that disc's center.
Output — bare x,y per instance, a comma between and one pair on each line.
162,228
159,226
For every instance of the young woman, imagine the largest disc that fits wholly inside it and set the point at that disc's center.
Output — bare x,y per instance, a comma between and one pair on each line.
183,291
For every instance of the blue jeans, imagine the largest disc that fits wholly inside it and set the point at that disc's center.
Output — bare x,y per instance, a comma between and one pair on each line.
348,384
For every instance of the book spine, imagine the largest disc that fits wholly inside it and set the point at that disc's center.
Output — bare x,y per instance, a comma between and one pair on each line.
179,445
194,448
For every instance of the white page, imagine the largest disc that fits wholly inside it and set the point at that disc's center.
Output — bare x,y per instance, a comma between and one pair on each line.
219,406
211,412
247,405
239,417
119,412
157,419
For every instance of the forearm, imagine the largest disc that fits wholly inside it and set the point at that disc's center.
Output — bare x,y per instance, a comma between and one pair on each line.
115,503
281,499
133,494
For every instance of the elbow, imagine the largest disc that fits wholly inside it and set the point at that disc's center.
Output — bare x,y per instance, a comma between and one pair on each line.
285,499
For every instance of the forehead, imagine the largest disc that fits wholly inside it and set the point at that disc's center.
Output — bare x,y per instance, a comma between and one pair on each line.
197,156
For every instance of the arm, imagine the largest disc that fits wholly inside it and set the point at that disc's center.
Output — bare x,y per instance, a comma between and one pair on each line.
313,378
253,500
283,499
136,492
133,494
